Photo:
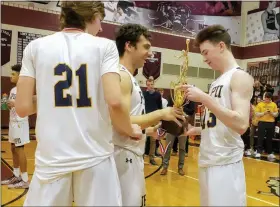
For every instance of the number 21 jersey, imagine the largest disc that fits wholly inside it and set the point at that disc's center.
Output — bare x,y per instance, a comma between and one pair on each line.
73,126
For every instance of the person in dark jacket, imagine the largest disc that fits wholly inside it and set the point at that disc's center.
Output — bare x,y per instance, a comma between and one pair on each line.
189,109
153,102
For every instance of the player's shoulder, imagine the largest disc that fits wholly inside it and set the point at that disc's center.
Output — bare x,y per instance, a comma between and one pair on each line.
102,41
240,74
104,44
125,75
44,39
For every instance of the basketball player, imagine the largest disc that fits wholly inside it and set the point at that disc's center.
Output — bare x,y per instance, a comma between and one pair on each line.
269,22
18,137
78,90
133,43
226,118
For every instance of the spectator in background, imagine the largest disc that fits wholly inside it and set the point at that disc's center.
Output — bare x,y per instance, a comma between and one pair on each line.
267,112
163,100
269,88
278,106
254,126
257,91
277,120
153,102
189,109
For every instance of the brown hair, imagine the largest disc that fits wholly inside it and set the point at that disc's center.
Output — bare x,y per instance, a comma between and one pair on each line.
78,13
130,33
214,34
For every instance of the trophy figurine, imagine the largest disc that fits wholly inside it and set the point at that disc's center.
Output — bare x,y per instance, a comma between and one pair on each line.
178,97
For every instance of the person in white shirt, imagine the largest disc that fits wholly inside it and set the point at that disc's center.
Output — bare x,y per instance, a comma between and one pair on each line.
18,137
163,100
133,43
78,100
226,117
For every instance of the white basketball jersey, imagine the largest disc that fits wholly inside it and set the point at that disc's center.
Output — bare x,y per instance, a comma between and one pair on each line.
73,125
219,144
137,108
13,114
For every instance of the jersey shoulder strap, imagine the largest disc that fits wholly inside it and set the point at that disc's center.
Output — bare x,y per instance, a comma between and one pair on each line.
122,68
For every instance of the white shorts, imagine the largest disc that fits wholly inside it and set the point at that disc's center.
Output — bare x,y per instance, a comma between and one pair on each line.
223,185
19,133
131,174
95,186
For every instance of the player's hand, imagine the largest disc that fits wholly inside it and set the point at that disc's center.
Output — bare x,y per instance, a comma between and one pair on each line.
193,93
136,132
191,131
11,103
153,132
173,114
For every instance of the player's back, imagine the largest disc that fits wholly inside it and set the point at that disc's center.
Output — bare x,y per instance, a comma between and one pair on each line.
220,145
73,126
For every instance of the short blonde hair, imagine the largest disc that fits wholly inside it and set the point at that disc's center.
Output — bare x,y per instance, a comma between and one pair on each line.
78,13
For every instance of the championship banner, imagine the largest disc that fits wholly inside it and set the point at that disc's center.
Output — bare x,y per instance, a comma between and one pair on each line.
24,38
6,40
152,66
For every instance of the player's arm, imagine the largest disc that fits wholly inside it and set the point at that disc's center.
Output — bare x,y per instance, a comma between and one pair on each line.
238,118
192,131
112,91
25,104
145,120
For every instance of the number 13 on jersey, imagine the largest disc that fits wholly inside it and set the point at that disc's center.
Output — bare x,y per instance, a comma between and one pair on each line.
60,86
211,122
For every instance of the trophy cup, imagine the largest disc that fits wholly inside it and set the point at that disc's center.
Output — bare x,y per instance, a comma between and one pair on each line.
178,98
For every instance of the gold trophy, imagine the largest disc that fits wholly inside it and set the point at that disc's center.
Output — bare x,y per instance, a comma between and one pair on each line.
178,96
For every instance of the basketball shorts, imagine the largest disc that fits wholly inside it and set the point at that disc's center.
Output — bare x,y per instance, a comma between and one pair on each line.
19,133
223,185
131,174
95,186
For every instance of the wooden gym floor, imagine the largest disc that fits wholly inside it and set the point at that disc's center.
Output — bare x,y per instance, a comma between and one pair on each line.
172,189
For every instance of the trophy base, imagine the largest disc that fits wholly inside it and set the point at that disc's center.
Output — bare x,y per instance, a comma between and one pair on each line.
172,127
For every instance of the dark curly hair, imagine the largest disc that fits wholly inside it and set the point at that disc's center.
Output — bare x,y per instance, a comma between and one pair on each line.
16,68
130,33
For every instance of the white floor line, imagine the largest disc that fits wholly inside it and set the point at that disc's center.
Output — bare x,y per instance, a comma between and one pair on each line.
252,197
184,175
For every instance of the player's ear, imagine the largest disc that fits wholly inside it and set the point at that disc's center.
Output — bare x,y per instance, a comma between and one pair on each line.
128,46
222,46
